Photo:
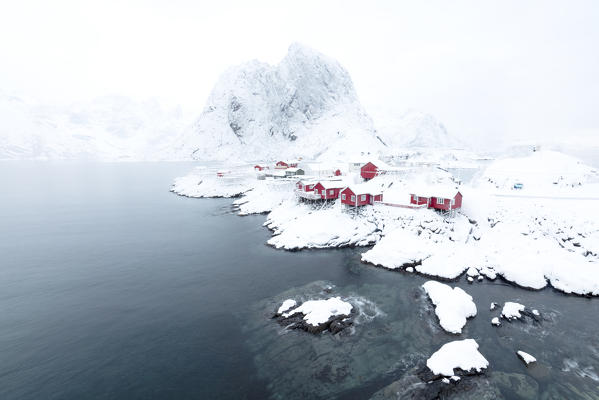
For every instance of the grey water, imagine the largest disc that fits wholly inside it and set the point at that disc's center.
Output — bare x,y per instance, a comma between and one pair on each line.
111,287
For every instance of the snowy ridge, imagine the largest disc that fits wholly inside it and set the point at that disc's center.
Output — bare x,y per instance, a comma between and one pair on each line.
107,128
304,106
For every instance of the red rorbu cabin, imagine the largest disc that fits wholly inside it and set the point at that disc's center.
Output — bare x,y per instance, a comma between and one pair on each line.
359,197
441,200
281,165
338,172
328,190
369,170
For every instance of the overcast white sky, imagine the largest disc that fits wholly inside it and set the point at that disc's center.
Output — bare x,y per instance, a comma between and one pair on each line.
498,68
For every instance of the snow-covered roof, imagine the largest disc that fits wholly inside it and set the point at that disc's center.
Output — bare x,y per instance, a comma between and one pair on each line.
443,191
305,182
365,188
334,183
293,169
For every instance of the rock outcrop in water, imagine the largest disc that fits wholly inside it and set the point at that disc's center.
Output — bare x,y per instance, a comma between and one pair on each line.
316,316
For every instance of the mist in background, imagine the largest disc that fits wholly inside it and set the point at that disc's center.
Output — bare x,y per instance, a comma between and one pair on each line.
490,71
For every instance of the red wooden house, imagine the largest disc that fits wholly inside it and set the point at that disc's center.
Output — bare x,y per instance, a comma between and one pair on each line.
442,199
305,185
258,167
369,170
329,190
286,164
359,196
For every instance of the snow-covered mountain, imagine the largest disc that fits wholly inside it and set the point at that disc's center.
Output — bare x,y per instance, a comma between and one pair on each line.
107,128
412,129
304,106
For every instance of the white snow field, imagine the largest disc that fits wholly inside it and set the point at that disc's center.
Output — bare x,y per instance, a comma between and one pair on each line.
462,354
512,310
527,358
452,306
318,312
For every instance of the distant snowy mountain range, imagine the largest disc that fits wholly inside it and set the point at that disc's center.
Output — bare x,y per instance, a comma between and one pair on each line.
108,128
306,106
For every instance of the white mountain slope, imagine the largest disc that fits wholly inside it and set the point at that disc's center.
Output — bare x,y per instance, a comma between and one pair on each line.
107,128
412,129
304,106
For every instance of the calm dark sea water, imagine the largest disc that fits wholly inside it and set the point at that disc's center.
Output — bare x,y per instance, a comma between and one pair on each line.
111,287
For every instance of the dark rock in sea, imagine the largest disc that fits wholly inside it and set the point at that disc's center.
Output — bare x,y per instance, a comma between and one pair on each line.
422,384
334,324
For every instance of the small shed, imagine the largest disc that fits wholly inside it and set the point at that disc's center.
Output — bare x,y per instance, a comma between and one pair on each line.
259,167
294,171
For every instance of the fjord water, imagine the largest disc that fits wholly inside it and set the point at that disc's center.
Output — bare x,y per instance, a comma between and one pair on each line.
111,287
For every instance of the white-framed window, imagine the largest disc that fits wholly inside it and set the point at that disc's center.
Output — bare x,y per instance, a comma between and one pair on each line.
353,198
440,200
331,192
416,198
316,191
343,196
363,197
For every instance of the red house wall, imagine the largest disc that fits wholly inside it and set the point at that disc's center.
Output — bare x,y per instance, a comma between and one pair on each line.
421,200
368,170
458,201
348,194
326,194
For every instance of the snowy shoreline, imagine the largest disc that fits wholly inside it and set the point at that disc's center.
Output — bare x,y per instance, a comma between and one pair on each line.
529,243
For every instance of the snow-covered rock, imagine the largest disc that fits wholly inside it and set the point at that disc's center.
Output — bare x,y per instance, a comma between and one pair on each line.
452,306
304,106
287,304
512,310
318,312
462,354
399,248
527,358
298,226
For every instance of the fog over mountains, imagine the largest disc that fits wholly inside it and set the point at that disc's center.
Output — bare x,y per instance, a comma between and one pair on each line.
306,106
